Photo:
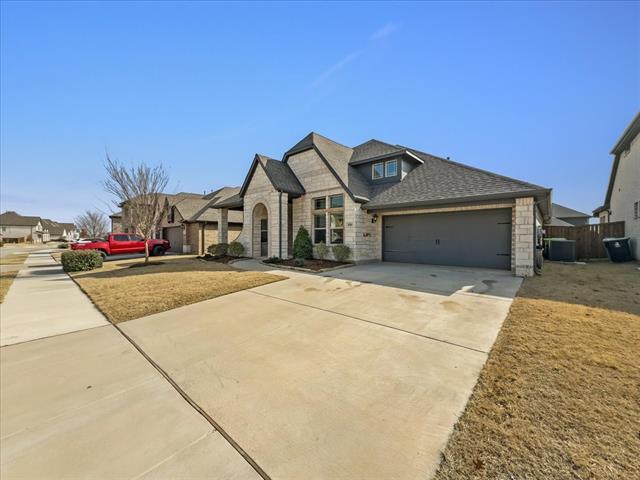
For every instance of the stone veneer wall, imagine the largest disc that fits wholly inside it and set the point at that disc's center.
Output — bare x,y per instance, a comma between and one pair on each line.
260,190
523,228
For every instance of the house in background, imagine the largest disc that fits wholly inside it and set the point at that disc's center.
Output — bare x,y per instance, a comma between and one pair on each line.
191,225
622,199
387,203
59,230
16,228
562,216
116,222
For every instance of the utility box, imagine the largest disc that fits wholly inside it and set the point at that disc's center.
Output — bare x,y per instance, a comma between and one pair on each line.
560,249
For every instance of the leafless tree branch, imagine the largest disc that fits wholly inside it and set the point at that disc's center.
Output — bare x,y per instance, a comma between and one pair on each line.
93,223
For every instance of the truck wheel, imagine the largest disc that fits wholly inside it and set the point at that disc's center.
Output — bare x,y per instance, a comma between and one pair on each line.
158,251
103,254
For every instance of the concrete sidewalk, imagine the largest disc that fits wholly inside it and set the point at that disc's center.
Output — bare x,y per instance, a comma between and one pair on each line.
42,302
78,400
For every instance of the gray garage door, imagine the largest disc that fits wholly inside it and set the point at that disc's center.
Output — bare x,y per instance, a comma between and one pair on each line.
469,239
174,235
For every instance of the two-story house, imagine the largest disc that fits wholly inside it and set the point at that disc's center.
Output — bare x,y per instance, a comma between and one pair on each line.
622,199
387,203
18,228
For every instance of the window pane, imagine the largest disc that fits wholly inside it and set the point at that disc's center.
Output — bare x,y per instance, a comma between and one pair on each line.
336,201
320,235
320,221
319,203
135,238
392,168
337,235
121,238
378,171
337,220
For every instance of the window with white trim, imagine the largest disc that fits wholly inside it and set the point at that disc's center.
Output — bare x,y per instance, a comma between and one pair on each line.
328,219
636,210
377,170
391,168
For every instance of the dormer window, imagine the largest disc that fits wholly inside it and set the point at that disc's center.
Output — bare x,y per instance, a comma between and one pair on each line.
377,171
391,168
384,169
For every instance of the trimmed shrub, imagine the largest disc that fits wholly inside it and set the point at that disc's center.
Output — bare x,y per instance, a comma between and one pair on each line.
273,260
218,249
236,249
81,260
322,251
63,245
298,262
341,252
302,246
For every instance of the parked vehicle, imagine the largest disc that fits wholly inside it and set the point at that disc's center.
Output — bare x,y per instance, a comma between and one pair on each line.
123,243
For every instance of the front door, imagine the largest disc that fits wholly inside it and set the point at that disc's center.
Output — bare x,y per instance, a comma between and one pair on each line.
264,237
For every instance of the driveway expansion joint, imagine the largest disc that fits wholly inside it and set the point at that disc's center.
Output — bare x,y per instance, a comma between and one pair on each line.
372,322
197,407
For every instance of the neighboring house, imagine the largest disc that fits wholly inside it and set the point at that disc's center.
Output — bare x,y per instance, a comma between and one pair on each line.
15,228
562,216
60,231
622,200
387,202
116,222
191,225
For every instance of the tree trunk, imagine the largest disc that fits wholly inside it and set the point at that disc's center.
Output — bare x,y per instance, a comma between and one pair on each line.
146,250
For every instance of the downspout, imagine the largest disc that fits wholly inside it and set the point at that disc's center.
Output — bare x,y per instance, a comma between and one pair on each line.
280,224
537,269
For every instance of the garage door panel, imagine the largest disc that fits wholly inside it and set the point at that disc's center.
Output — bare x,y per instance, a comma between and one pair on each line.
475,239
174,235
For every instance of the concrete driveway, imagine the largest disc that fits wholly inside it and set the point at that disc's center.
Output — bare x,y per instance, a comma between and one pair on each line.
326,376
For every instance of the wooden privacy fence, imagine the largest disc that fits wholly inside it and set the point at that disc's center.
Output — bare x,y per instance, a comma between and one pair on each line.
588,237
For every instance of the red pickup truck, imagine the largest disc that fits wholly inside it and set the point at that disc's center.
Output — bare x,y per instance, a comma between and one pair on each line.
123,243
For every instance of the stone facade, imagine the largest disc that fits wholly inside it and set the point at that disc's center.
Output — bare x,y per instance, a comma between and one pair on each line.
362,230
523,229
260,193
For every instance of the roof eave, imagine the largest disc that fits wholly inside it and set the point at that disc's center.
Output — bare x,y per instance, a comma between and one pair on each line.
458,200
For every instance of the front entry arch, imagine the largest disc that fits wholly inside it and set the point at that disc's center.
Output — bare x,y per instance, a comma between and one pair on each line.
260,234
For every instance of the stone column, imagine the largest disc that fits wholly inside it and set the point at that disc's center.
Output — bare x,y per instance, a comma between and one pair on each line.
223,225
523,228
279,225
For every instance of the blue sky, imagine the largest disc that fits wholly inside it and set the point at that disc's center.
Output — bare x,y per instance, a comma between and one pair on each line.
536,91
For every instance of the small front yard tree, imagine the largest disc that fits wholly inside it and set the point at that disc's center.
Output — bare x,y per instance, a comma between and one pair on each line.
302,246
138,190
93,223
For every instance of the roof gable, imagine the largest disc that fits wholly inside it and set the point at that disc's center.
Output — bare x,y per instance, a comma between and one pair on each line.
279,174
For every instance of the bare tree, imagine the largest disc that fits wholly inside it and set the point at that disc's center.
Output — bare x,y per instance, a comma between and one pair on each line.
138,191
93,223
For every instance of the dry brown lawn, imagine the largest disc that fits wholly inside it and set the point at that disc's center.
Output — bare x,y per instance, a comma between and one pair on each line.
123,292
559,397
9,264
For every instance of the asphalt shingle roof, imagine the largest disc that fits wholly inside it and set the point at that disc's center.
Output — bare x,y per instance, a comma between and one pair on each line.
561,211
438,180
281,175
14,219
372,149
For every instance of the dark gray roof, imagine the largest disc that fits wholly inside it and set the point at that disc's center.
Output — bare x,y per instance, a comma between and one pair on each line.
281,175
441,181
116,215
233,201
10,218
52,226
372,149
560,211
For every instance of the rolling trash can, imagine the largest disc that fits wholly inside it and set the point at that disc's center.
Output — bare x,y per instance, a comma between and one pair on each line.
618,249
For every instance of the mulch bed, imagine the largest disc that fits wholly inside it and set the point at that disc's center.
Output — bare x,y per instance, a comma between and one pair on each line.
223,259
313,264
